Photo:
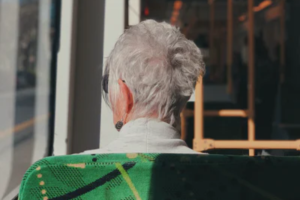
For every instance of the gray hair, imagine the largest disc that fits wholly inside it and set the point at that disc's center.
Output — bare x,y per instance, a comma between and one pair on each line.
160,67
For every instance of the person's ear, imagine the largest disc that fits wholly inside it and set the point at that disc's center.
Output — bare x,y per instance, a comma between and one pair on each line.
126,95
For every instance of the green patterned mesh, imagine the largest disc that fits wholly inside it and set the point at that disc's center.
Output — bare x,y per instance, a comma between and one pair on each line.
161,176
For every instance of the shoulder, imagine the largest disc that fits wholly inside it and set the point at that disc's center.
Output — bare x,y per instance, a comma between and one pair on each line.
182,149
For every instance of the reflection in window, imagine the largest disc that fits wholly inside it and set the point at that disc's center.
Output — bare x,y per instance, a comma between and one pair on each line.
26,31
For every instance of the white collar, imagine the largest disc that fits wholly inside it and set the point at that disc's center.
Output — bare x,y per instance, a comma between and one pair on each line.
153,127
146,135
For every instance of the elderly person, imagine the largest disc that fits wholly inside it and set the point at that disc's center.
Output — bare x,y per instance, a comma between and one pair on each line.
149,77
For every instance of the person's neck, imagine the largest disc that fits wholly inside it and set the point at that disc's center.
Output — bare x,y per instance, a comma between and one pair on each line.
152,116
152,126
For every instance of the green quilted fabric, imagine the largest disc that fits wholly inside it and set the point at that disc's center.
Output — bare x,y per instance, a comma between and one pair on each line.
161,176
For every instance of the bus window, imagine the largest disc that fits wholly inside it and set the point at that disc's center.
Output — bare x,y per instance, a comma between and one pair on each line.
27,33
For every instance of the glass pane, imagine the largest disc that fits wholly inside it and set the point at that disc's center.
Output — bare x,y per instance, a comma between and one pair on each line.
26,31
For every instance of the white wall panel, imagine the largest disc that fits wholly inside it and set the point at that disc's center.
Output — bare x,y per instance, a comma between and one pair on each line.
113,28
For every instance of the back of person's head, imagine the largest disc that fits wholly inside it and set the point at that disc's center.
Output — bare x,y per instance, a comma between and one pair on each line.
159,66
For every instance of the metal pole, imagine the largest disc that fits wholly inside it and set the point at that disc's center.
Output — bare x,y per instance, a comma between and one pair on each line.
126,14
208,144
226,113
219,113
211,34
229,45
198,119
282,40
183,126
251,125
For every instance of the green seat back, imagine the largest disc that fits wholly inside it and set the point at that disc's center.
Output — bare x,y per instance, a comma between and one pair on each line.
161,176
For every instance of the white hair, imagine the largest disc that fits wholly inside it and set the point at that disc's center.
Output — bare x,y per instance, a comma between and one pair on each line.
159,66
